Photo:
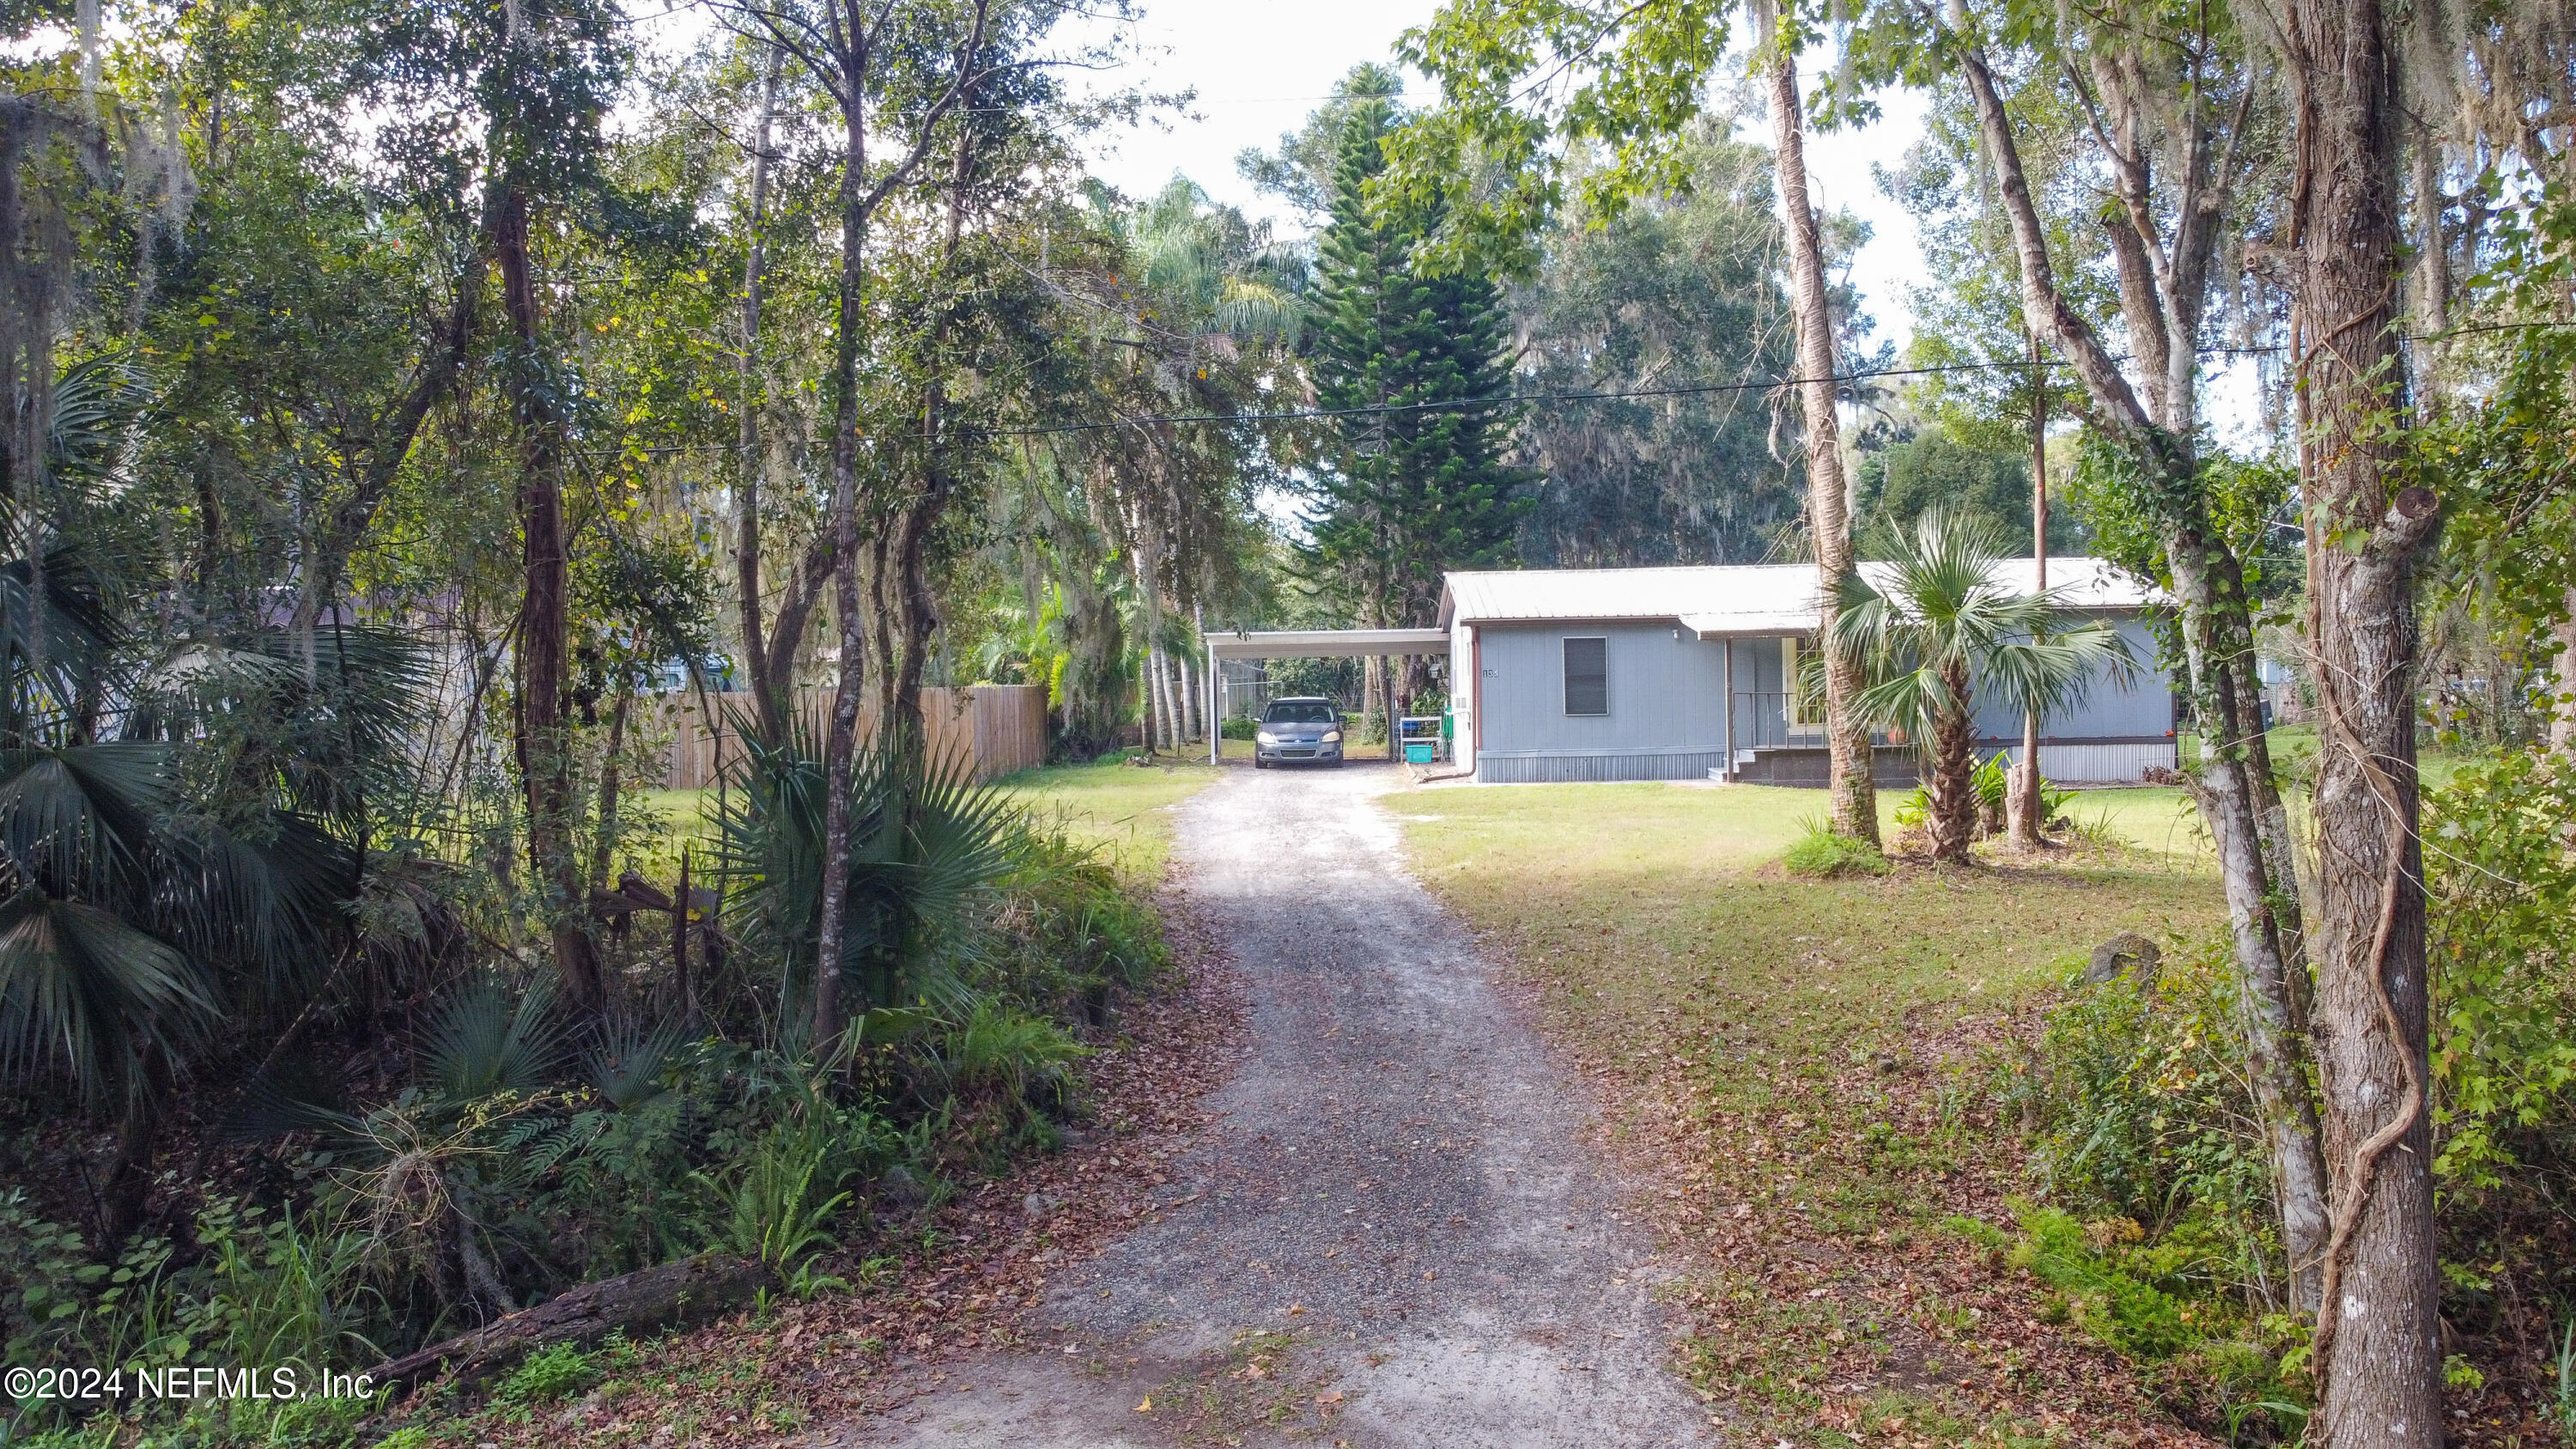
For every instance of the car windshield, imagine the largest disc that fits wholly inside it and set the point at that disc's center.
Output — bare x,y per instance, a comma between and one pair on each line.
1299,712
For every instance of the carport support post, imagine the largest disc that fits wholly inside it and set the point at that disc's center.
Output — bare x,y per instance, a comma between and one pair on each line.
1386,705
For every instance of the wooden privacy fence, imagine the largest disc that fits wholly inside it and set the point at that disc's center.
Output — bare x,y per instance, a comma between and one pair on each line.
995,728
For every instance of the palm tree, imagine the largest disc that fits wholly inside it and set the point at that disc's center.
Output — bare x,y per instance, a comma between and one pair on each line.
1935,629
179,826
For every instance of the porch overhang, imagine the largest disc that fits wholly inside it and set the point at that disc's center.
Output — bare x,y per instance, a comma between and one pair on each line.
1750,625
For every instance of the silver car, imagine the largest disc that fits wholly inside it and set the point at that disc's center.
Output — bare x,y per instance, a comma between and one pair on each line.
1306,729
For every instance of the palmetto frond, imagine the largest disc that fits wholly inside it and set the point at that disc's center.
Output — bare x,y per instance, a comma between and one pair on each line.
96,403
81,816
78,986
1940,613
928,845
56,641
315,718
483,1043
264,899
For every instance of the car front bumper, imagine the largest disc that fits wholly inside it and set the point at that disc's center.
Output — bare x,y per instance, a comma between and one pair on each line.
1286,754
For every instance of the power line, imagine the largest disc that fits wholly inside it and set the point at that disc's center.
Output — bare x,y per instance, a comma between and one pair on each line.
1496,404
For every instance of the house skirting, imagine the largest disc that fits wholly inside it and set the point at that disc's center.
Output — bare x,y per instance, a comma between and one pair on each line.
2112,762
1810,767
1535,767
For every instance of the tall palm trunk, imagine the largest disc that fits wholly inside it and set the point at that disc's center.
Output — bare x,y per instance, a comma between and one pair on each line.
1952,790
545,729
1854,795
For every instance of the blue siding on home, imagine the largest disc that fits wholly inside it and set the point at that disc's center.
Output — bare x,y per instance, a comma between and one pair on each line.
1667,702
2108,711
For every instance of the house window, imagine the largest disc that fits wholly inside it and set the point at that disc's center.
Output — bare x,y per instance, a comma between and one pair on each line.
1587,676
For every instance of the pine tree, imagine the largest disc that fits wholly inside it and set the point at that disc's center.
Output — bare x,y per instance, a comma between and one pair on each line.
1404,495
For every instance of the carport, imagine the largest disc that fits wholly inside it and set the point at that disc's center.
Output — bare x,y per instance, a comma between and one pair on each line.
1310,644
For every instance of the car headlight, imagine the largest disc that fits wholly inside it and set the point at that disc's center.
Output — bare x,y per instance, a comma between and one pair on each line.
1332,737
1266,737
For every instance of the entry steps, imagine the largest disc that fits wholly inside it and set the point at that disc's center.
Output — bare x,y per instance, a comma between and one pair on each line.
1725,774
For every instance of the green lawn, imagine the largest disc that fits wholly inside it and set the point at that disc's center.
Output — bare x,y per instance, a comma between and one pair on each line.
1124,809
1650,901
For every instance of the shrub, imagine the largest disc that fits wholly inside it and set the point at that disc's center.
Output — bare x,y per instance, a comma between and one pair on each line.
1001,1050
2137,1109
555,1372
2210,1360
2503,888
2504,964
1824,854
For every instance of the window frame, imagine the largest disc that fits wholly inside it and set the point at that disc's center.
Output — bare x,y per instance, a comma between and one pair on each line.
1565,675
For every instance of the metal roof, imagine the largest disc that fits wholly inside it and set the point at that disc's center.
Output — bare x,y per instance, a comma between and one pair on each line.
1727,599
1325,643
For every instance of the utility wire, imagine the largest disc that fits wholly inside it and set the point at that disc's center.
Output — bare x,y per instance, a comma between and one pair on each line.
1496,404
1511,400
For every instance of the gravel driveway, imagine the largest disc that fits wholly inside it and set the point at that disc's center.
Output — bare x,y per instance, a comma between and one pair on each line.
1397,1232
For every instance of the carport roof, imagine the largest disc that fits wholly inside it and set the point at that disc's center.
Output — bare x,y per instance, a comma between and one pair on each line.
1325,643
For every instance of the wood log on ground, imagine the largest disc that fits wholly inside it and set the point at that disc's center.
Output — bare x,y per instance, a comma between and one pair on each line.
649,1300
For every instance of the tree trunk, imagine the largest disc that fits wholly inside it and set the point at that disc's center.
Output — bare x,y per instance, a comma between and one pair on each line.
2272,829
1158,708
2270,1003
642,1304
852,45
841,742
915,606
2379,1330
2432,264
767,705
2025,807
2208,591
1952,790
1193,699
545,743
1854,795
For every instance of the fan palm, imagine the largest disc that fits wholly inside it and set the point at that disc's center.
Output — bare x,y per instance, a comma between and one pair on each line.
1937,629
156,883
927,845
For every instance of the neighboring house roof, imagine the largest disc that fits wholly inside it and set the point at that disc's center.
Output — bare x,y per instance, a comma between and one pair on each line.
1727,599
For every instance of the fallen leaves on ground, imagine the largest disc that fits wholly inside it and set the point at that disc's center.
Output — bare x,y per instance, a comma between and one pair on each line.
1800,1318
